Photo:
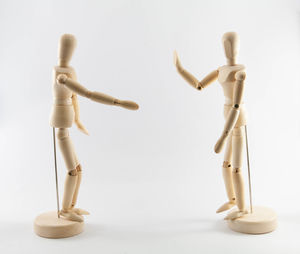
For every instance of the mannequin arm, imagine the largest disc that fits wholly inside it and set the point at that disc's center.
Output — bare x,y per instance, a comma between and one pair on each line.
191,79
233,114
77,116
75,87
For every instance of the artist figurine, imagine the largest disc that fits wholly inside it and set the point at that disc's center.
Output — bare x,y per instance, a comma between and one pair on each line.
231,77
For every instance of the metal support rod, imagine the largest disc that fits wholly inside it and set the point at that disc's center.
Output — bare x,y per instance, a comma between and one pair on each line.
56,180
249,175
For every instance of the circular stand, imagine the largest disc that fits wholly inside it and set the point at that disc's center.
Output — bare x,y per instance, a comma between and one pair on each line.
50,226
262,220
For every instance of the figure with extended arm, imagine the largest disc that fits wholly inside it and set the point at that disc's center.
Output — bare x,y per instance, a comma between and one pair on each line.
65,109
68,221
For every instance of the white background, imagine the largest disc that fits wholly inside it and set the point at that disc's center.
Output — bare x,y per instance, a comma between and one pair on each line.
151,180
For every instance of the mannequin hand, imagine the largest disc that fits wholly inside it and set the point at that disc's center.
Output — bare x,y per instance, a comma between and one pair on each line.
177,62
127,104
81,127
220,143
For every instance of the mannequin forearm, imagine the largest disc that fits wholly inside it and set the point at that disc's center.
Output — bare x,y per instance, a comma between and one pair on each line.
188,77
77,117
231,120
75,106
102,98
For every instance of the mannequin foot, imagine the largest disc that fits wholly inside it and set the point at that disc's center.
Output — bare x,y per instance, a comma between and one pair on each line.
70,215
79,211
235,215
226,206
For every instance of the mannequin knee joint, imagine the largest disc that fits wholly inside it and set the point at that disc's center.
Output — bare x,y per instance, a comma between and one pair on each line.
76,171
73,172
226,164
237,170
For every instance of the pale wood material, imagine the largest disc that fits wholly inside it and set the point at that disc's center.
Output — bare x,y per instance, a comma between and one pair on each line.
234,112
211,77
262,220
65,111
50,226
238,143
74,86
231,77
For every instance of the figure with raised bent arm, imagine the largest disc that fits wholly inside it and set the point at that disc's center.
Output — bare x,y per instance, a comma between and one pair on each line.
231,77
256,220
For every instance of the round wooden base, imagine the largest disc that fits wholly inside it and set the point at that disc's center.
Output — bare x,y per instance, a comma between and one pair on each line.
50,226
262,220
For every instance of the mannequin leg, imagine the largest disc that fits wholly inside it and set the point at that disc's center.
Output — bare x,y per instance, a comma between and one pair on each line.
75,195
78,182
227,176
238,138
67,151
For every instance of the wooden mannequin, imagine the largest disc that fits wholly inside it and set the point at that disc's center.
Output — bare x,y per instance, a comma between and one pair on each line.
65,110
231,77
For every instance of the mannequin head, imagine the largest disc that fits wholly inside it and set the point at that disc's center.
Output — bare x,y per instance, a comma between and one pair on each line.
231,43
66,48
